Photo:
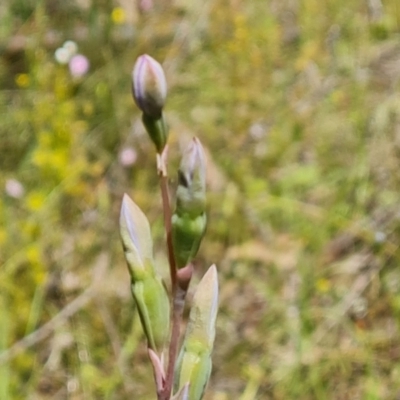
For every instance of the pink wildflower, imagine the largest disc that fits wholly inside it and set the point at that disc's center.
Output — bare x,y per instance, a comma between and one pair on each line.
78,65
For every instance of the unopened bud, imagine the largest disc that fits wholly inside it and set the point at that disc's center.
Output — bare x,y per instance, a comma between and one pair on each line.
203,313
191,193
136,237
189,219
194,362
149,89
147,288
149,86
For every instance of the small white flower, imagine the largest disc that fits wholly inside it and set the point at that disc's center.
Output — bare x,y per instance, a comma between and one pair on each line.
257,130
14,188
62,55
71,47
380,237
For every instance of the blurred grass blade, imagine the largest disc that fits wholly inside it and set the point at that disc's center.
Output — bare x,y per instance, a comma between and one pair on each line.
5,372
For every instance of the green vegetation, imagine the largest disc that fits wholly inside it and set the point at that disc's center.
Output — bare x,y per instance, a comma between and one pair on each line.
297,106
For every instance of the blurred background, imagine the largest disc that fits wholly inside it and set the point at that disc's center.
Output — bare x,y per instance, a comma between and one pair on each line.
297,105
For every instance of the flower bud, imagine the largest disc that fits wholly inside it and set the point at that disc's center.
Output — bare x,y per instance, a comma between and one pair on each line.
189,219
194,362
191,192
149,86
136,237
203,313
147,288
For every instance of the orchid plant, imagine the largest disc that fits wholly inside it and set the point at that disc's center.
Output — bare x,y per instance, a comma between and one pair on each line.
185,374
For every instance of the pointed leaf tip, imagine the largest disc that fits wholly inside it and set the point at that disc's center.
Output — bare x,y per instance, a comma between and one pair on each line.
135,233
206,297
203,313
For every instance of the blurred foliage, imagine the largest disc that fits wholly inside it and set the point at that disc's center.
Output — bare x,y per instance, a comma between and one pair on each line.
298,108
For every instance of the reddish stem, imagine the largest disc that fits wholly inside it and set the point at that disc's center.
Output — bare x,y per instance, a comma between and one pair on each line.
178,294
168,229
178,306
162,173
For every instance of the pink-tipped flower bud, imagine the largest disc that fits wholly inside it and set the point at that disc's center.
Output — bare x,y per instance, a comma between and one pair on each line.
149,86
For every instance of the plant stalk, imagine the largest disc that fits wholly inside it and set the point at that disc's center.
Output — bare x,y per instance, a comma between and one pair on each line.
178,306
162,172
178,293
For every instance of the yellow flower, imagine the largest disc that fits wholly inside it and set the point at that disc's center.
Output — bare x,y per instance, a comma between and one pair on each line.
22,80
35,201
118,15
323,285
3,236
33,254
